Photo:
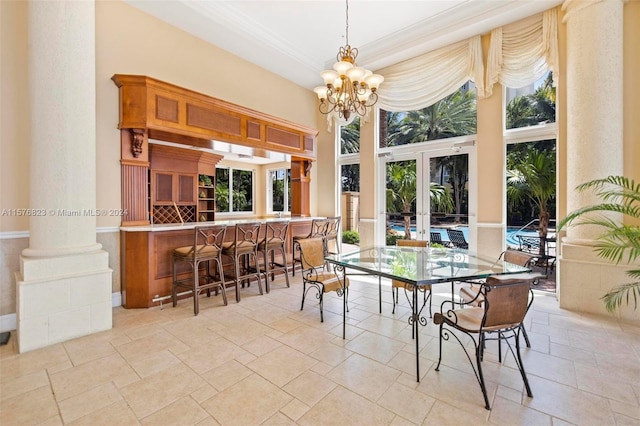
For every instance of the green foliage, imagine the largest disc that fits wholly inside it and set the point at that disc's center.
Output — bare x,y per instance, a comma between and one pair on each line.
618,242
392,238
206,180
350,237
530,110
436,245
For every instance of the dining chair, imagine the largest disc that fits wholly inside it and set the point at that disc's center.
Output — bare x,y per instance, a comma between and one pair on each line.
274,240
315,277
318,230
471,292
397,284
241,249
504,306
206,248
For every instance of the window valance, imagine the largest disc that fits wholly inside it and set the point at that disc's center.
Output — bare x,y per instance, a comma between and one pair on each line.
522,52
424,80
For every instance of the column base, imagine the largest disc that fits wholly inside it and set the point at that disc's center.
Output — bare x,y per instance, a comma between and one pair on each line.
584,278
62,298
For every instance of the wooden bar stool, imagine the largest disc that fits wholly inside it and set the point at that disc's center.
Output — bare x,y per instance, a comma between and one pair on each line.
207,247
275,239
242,248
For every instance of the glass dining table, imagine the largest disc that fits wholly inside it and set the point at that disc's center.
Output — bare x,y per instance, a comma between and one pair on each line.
418,267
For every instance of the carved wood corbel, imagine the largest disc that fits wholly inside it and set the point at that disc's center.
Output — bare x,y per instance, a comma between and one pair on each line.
137,141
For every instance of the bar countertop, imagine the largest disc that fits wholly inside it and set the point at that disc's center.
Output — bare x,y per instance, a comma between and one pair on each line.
230,222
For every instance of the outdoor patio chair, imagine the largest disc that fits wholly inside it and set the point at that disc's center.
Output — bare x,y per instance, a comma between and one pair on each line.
436,238
504,306
532,244
457,238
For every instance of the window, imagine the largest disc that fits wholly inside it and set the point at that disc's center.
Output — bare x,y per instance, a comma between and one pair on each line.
234,190
453,115
279,190
350,138
531,105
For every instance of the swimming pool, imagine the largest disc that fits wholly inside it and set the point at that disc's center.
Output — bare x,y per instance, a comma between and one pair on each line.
512,239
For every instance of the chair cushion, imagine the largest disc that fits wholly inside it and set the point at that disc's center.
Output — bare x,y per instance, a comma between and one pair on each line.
408,286
201,250
240,248
333,283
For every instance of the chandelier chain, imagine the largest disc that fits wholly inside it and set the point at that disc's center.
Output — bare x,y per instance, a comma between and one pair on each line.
347,22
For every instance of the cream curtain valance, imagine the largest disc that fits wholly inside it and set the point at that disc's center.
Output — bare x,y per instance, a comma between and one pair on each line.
522,52
424,80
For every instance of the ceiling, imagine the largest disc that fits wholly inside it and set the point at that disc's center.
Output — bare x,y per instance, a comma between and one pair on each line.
299,39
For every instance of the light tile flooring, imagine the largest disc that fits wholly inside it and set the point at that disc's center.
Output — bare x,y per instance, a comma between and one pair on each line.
265,362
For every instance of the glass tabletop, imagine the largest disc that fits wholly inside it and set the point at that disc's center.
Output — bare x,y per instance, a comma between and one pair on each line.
418,265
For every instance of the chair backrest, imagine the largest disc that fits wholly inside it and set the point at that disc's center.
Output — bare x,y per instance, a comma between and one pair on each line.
506,301
435,237
311,252
318,228
247,234
518,257
412,243
208,238
457,238
276,232
333,227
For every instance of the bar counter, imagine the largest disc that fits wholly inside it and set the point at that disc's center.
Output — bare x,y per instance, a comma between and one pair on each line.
147,255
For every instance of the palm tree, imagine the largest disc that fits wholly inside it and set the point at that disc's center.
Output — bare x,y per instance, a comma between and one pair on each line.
619,241
401,191
350,138
533,177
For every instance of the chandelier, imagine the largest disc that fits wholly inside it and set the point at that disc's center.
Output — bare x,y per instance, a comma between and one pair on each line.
348,88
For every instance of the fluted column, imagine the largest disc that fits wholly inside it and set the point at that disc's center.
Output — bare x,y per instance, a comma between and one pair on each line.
64,283
594,99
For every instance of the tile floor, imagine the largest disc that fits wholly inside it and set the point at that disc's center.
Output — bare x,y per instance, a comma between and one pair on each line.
265,362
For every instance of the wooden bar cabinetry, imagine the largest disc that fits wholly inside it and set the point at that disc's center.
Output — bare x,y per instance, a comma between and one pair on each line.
147,257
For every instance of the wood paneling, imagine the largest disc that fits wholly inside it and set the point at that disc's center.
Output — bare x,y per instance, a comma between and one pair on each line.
153,105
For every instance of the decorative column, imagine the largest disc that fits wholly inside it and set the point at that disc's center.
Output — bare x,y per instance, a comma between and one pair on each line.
594,82
300,182
64,283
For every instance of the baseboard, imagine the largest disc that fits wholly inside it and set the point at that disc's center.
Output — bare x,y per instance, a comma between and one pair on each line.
116,299
8,322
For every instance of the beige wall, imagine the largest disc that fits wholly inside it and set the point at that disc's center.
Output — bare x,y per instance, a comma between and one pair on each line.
127,42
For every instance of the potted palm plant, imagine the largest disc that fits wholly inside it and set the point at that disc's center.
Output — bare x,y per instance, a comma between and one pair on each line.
619,241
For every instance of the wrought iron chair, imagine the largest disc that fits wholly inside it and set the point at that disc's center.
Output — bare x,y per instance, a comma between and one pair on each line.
504,306
242,248
332,236
471,293
318,230
313,274
457,239
396,284
207,247
275,239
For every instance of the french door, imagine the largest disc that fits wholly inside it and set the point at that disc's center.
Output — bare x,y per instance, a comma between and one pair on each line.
421,208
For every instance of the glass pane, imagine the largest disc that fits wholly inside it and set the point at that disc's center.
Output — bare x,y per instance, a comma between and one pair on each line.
401,199
449,200
242,190
531,105
222,190
454,115
350,137
350,177
277,190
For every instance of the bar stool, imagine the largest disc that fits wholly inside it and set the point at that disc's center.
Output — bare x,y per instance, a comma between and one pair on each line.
332,235
207,247
243,246
318,230
275,239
